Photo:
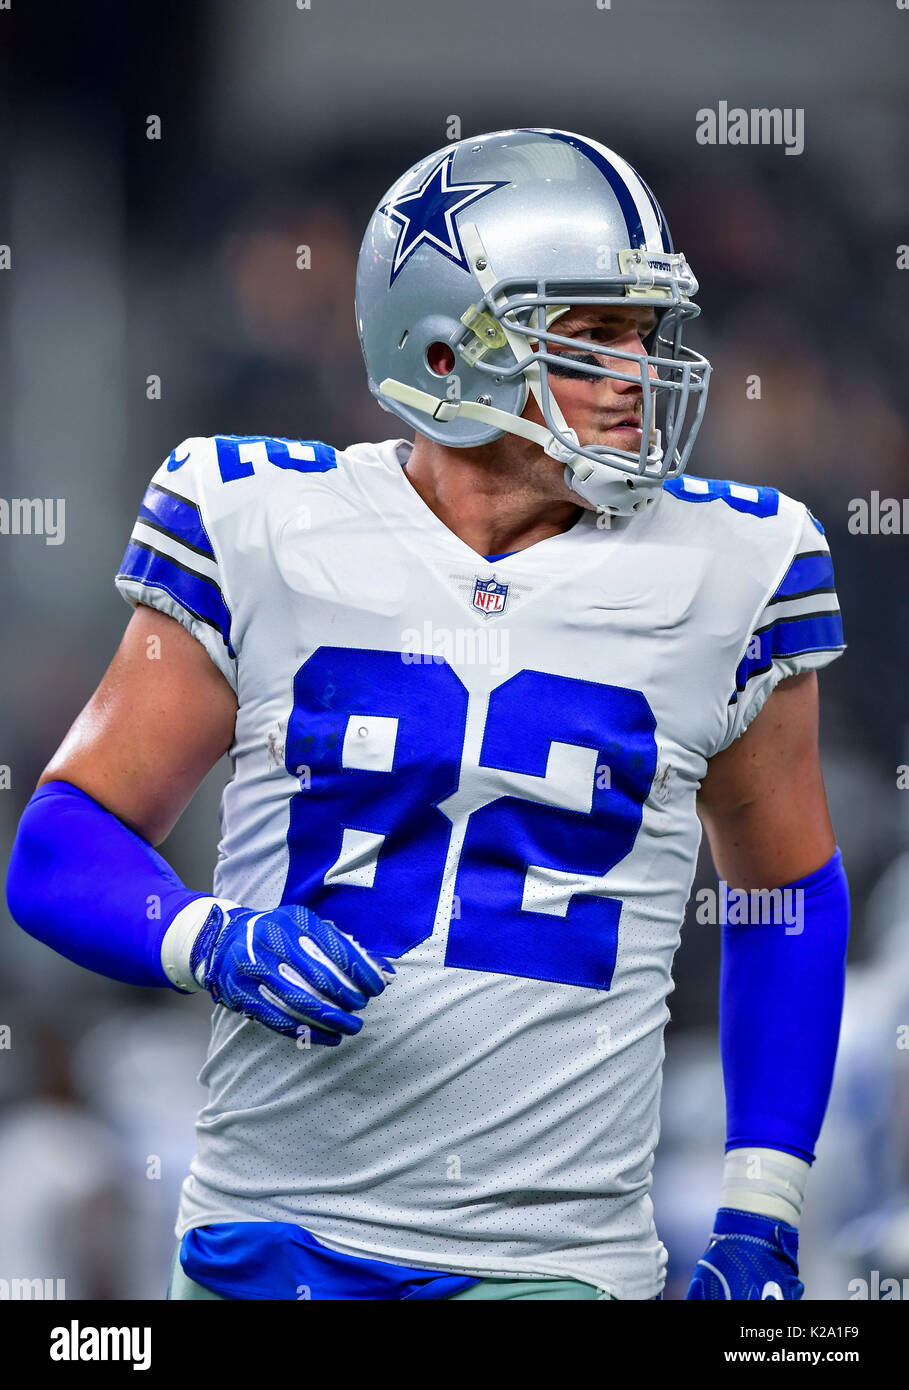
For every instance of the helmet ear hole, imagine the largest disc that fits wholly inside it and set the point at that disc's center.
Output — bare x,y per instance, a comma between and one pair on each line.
440,359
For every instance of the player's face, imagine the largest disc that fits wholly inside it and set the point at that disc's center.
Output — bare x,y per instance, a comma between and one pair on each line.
601,410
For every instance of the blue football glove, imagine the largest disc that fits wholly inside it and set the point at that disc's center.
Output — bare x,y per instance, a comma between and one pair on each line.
287,969
749,1257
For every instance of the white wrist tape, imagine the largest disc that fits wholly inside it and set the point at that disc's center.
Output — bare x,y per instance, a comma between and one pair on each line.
768,1182
180,937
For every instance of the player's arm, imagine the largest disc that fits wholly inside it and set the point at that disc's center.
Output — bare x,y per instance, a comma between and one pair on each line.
158,722
85,879
762,802
764,808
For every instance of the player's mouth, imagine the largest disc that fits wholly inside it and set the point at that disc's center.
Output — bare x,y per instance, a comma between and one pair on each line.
628,425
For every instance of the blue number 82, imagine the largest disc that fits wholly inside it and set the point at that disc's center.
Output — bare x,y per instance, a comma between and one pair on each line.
382,743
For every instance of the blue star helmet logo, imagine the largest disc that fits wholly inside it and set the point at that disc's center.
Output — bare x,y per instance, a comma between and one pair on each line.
429,214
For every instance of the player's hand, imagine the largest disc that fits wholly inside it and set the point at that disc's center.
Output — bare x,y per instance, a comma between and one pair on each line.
749,1257
289,970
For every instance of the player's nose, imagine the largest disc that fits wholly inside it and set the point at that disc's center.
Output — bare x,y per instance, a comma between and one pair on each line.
632,342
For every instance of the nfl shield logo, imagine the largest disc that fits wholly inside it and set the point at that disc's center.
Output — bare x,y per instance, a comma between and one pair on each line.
489,596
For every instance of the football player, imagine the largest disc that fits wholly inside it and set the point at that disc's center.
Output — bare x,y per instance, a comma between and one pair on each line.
480,692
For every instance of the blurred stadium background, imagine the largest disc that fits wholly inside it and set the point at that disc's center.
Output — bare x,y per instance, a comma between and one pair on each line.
176,257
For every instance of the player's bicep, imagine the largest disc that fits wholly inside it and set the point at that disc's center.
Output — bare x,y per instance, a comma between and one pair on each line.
158,722
762,802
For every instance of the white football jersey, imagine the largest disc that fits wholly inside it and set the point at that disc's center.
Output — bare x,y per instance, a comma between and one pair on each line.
486,771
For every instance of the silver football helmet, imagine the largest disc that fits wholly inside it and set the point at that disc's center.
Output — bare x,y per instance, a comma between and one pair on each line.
478,249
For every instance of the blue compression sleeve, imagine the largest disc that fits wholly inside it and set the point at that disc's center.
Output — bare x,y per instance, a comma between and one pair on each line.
781,999
86,885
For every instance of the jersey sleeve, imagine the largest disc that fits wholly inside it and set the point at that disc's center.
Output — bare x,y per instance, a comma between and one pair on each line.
171,563
799,628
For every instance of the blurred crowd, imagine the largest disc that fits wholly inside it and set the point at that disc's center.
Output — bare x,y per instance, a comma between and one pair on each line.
137,259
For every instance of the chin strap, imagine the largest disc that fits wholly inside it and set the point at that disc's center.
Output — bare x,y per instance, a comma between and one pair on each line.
445,410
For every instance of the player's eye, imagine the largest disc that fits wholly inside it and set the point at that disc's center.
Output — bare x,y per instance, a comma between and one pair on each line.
612,333
603,333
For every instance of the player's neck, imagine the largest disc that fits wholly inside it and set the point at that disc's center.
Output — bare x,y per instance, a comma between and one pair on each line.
489,503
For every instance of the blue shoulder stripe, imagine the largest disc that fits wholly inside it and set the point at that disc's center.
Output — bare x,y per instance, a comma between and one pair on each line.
199,595
175,516
803,633
809,573
813,632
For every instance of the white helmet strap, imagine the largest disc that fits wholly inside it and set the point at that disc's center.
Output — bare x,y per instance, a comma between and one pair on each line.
445,410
